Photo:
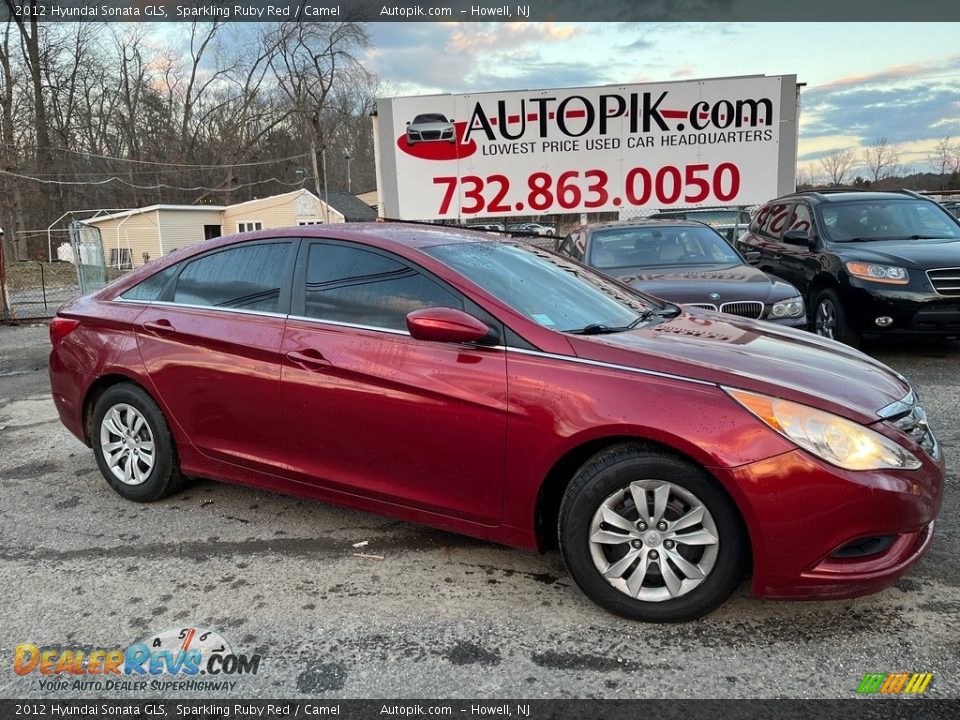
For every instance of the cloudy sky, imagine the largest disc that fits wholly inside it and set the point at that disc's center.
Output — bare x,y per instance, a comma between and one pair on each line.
863,80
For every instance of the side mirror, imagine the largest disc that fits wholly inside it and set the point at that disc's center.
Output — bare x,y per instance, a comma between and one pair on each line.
752,257
796,237
439,324
408,122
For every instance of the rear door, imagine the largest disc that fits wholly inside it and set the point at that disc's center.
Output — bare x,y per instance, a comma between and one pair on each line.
211,347
370,410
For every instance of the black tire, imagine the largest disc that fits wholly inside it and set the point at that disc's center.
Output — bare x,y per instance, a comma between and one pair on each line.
829,319
613,470
158,481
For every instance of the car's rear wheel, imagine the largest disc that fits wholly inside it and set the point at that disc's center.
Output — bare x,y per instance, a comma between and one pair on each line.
133,445
651,537
830,319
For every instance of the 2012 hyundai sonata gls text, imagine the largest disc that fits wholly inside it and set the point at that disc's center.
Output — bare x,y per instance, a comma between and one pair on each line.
508,393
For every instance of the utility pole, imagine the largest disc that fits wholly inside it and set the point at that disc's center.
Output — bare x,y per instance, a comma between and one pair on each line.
326,194
346,156
316,170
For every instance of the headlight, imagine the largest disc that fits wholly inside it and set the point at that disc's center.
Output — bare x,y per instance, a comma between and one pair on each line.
837,440
878,273
791,307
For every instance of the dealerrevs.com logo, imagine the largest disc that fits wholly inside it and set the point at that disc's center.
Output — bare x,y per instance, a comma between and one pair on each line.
171,660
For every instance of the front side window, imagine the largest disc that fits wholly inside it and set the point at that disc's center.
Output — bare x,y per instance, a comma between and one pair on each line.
359,287
248,277
544,287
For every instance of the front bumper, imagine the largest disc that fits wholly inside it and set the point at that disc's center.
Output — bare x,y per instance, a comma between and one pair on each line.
800,511
913,311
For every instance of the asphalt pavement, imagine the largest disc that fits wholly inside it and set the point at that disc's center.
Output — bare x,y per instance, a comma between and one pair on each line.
413,612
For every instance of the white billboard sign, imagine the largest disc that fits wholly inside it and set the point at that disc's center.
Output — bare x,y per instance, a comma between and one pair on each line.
709,142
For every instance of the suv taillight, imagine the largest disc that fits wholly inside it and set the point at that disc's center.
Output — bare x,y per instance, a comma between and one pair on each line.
60,327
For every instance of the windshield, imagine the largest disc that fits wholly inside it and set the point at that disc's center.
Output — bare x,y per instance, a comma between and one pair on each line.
884,219
653,246
545,287
430,118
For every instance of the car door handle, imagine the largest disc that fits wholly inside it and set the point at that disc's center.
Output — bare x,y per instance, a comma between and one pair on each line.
777,257
158,327
309,359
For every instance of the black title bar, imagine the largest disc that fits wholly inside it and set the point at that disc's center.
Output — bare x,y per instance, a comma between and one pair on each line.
860,709
481,11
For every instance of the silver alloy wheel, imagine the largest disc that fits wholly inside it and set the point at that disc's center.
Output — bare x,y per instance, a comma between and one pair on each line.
126,441
654,540
826,322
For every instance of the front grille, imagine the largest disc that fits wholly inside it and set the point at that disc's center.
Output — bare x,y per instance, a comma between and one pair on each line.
703,306
430,134
909,418
946,281
748,308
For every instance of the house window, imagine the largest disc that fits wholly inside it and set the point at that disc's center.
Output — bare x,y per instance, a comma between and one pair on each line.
249,226
121,258
310,222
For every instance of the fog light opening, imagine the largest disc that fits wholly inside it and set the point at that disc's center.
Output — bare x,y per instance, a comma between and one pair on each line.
865,546
884,321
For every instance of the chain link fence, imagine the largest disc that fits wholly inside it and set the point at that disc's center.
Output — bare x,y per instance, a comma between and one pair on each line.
34,289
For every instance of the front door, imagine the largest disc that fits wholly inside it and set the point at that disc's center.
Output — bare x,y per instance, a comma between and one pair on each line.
372,411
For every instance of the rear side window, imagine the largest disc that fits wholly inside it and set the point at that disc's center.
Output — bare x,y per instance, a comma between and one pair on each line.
359,287
150,289
248,277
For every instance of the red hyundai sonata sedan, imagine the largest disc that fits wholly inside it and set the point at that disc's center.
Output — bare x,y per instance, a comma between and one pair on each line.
504,392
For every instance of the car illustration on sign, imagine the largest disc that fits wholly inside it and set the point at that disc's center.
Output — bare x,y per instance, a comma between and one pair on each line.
431,127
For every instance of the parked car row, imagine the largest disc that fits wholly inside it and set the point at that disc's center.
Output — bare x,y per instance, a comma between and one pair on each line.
865,264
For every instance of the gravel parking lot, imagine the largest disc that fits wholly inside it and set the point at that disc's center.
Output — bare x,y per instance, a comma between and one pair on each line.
439,615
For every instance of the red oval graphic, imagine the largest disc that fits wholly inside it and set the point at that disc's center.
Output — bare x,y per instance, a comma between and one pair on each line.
439,149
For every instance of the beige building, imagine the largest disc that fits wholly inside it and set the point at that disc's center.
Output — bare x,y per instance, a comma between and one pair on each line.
132,237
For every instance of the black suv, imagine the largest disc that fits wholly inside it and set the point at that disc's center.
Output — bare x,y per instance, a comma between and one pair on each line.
867,263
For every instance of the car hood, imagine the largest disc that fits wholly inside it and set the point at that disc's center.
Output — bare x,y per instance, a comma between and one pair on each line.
922,254
694,284
753,355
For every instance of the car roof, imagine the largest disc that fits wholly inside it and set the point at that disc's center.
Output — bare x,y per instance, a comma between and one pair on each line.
385,236
644,222
832,195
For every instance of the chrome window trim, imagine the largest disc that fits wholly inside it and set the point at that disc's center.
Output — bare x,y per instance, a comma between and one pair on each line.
611,366
355,326
320,321
166,303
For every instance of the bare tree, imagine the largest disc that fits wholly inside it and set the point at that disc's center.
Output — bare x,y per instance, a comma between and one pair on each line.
944,159
837,163
881,159
308,60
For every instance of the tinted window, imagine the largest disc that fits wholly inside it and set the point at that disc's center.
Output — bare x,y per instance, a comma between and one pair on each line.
359,287
800,219
247,277
773,219
542,286
151,288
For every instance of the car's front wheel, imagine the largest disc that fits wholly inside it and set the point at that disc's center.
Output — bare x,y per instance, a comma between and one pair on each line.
830,319
651,537
133,445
